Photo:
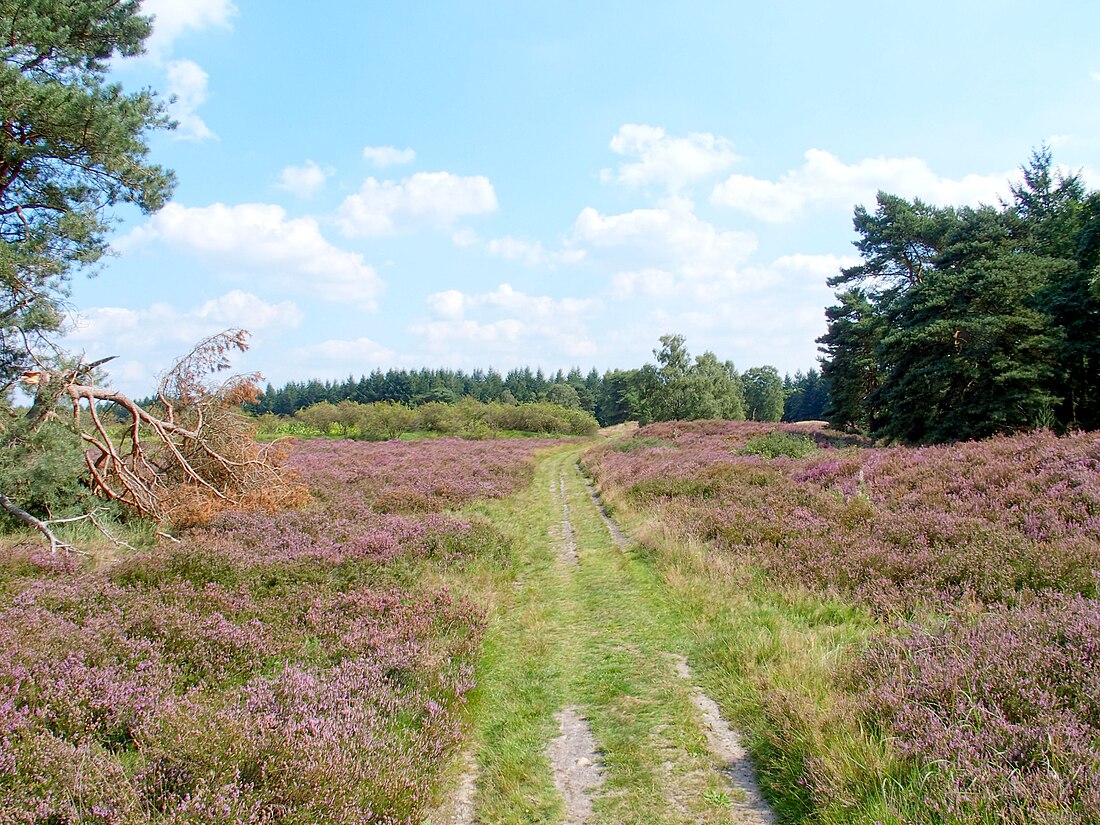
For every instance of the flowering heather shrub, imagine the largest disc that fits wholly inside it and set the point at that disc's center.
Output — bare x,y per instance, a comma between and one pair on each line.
273,667
894,528
999,714
412,476
1007,706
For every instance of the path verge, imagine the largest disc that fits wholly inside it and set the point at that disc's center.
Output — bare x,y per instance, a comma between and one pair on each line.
588,641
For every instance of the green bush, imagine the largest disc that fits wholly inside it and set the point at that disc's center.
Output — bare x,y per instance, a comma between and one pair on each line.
775,443
43,471
383,420
468,418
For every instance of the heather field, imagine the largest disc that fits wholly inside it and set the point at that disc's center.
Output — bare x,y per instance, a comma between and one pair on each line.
294,667
960,584
902,635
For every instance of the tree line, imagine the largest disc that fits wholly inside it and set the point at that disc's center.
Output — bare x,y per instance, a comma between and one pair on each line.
964,322
675,387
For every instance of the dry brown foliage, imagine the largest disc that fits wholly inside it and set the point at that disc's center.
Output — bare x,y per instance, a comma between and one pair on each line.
193,456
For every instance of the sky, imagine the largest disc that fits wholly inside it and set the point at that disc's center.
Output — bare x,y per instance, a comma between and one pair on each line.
372,184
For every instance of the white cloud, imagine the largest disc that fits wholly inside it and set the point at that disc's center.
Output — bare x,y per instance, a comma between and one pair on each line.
799,273
1095,76
187,89
151,339
652,283
304,181
671,161
245,310
529,253
172,18
789,274
449,304
465,238
511,325
670,238
435,199
825,179
388,155
185,80
259,239
518,250
338,358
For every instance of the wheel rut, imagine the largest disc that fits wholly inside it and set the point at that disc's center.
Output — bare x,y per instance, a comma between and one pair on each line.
458,808
725,743
612,726
574,758
747,803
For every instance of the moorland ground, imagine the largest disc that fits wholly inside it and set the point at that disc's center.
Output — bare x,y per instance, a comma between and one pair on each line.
901,635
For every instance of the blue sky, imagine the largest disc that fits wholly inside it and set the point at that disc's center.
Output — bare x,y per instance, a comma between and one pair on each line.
472,184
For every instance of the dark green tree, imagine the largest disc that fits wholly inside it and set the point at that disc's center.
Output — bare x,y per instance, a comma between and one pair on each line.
1059,220
806,396
564,395
970,355
72,146
613,398
960,323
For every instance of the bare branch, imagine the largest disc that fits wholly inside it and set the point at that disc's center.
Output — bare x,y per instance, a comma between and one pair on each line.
42,527
178,467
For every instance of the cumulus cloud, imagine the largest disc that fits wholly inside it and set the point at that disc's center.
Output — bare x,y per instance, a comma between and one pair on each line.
649,282
338,358
304,181
151,339
259,239
673,162
518,250
187,90
185,81
669,238
508,323
243,309
529,253
388,155
173,18
789,274
825,179
435,199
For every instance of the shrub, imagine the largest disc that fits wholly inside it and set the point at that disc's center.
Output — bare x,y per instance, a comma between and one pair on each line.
44,470
776,443
630,445
383,420
1007,707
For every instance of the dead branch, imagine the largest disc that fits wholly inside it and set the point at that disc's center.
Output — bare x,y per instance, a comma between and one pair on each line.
179,466
42,527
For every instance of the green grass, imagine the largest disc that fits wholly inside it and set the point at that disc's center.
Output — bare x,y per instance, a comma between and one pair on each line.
775,444
596,636
770,658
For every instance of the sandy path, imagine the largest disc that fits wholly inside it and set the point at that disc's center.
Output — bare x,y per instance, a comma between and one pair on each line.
725,743
621,539
458,808
575,760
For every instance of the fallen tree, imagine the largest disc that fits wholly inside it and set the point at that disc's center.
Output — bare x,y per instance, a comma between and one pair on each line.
177,461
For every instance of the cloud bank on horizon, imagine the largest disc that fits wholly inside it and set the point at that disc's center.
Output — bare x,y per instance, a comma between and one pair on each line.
346,254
